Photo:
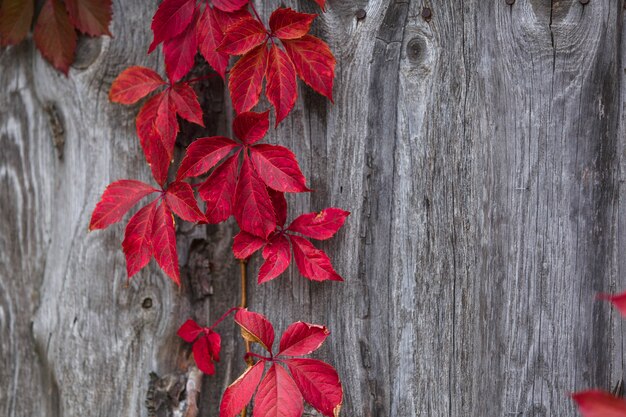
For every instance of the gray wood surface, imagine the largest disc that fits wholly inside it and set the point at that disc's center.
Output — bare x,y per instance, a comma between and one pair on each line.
480,152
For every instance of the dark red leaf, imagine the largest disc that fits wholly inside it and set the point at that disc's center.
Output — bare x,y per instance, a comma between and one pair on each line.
250,127
164,242
280,206
618,301
243,36
245,244
319,384
281,89
229,5
314,63
278,168
170,19
55,36
255,328
180,51
150,139
166,123
189,331
210,36
596,403
226,19
277,258
186,103
253,208
240,392
246,79
203,352
137,244
133,84
181,200
302,338
278,395
219,189
322,225
286,23
117,199
203,154
90,16
215,344
312,262
15,20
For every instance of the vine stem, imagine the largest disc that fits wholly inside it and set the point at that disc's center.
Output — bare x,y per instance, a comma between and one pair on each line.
256,13
221,319
244,300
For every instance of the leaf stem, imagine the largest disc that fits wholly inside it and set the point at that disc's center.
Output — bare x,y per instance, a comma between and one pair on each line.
221,319
244,300
256,13
252,354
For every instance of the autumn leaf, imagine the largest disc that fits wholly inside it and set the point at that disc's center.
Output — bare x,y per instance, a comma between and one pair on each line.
133,84
15,20
91,17
55,36
595,403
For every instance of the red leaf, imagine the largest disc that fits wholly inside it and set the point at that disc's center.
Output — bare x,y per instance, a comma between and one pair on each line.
278,395
281,89
245,244
180,52
226,19
246,79
321,3
255,328
286,23
215,344
240,392
137,244
166,123
150,139
164,242
302,338
277,258
243,36
189,331
312,262
133,84
181,200
229,5
117,199
319,384
253,208
618,301
170,19
210,36
55,36
322,225
15,20
250,127
314,63
596,403
278,168
206,350
186,103
90,16
280,206
218,190
203,154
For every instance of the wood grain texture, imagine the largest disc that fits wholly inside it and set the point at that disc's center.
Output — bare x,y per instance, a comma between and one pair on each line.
480,153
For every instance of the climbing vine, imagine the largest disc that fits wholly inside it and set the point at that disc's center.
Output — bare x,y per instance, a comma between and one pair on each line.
239,177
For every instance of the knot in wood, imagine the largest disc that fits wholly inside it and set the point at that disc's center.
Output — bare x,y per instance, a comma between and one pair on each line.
427,14
360,14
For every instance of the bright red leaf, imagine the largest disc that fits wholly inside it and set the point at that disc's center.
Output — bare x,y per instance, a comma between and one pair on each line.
253,208
286,23
55,36
278,168
15,20
255,328
229,5
251,127
150,139
314,62
180,51
240,392
281,88
181,200
245,244
164,242
226,19
218,190
313,263
618,301
278,395
117,199
243,36
319,384
322,225
133,84
203,154
90,16
302,339
171,18
210,36
189,331
246,79
166,123
277,255
137,244
596,403
206,350
186,103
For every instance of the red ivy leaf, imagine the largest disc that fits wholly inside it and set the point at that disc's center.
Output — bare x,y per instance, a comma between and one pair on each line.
319,384
181,200
245,244
229,5
219,189
117,199
189,331
203,154
240,392
596,403
280,206
180,51
251,127
281,89
278,168
243,36
253,208
322,225
210,36
255,328
246,79
133,84
186,103
278,395
164,242
277,257
55,36
171,18
286,23
150,139
90,16
302,338
226,19
618,301
15,20
137,244
166,123
312,262
314,62
206,350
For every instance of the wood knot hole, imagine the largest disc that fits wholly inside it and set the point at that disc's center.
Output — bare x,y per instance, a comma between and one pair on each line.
415,50
360,14
146,303
87,51
427,14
